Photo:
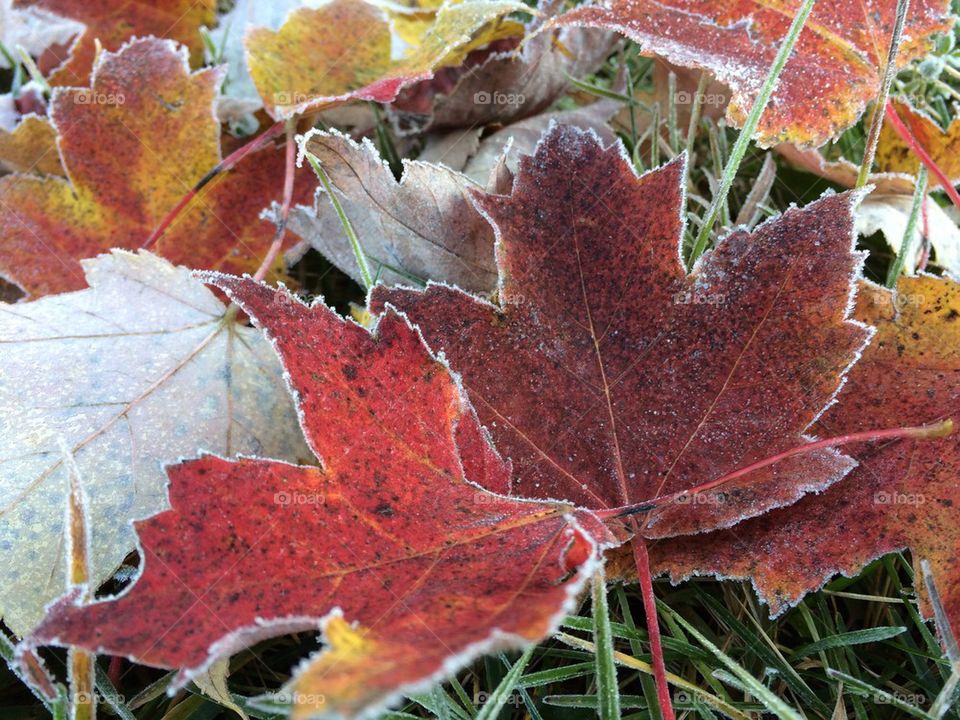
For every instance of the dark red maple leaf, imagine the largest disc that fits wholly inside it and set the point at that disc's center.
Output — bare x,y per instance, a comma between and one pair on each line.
904,494
610,377
391,532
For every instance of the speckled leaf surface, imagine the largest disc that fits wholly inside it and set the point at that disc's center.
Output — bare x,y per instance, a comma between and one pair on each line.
138,370
833,73
344,50
113,23
422,226
609,376
132,145
904,493
387,547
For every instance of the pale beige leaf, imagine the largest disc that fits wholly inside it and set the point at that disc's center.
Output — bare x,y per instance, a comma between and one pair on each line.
140,369
422,227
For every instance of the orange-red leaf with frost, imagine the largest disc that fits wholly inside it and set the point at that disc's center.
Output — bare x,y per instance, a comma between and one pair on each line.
390,534
132,145
834,71
609,376
113,23
904,493
344,50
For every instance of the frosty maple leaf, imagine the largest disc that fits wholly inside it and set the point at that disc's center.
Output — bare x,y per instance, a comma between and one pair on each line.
132,144
344,51
904,493
609,376
107,370
422,226
113,22
828,81
390,535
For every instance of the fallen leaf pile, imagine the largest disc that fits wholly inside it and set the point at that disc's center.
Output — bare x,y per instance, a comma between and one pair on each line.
537,384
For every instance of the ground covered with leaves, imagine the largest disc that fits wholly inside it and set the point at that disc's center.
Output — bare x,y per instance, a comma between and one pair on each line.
479,359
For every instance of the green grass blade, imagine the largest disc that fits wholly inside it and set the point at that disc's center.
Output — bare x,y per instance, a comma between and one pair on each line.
608,688
110,696
773,703
876,695
497,700
749,127
344,220
906,246
592,702
556,675
854,637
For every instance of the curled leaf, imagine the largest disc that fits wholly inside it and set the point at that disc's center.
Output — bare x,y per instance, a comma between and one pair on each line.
503,83
344,51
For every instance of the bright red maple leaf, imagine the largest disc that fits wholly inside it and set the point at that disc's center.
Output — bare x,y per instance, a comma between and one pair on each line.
610,377
391,532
